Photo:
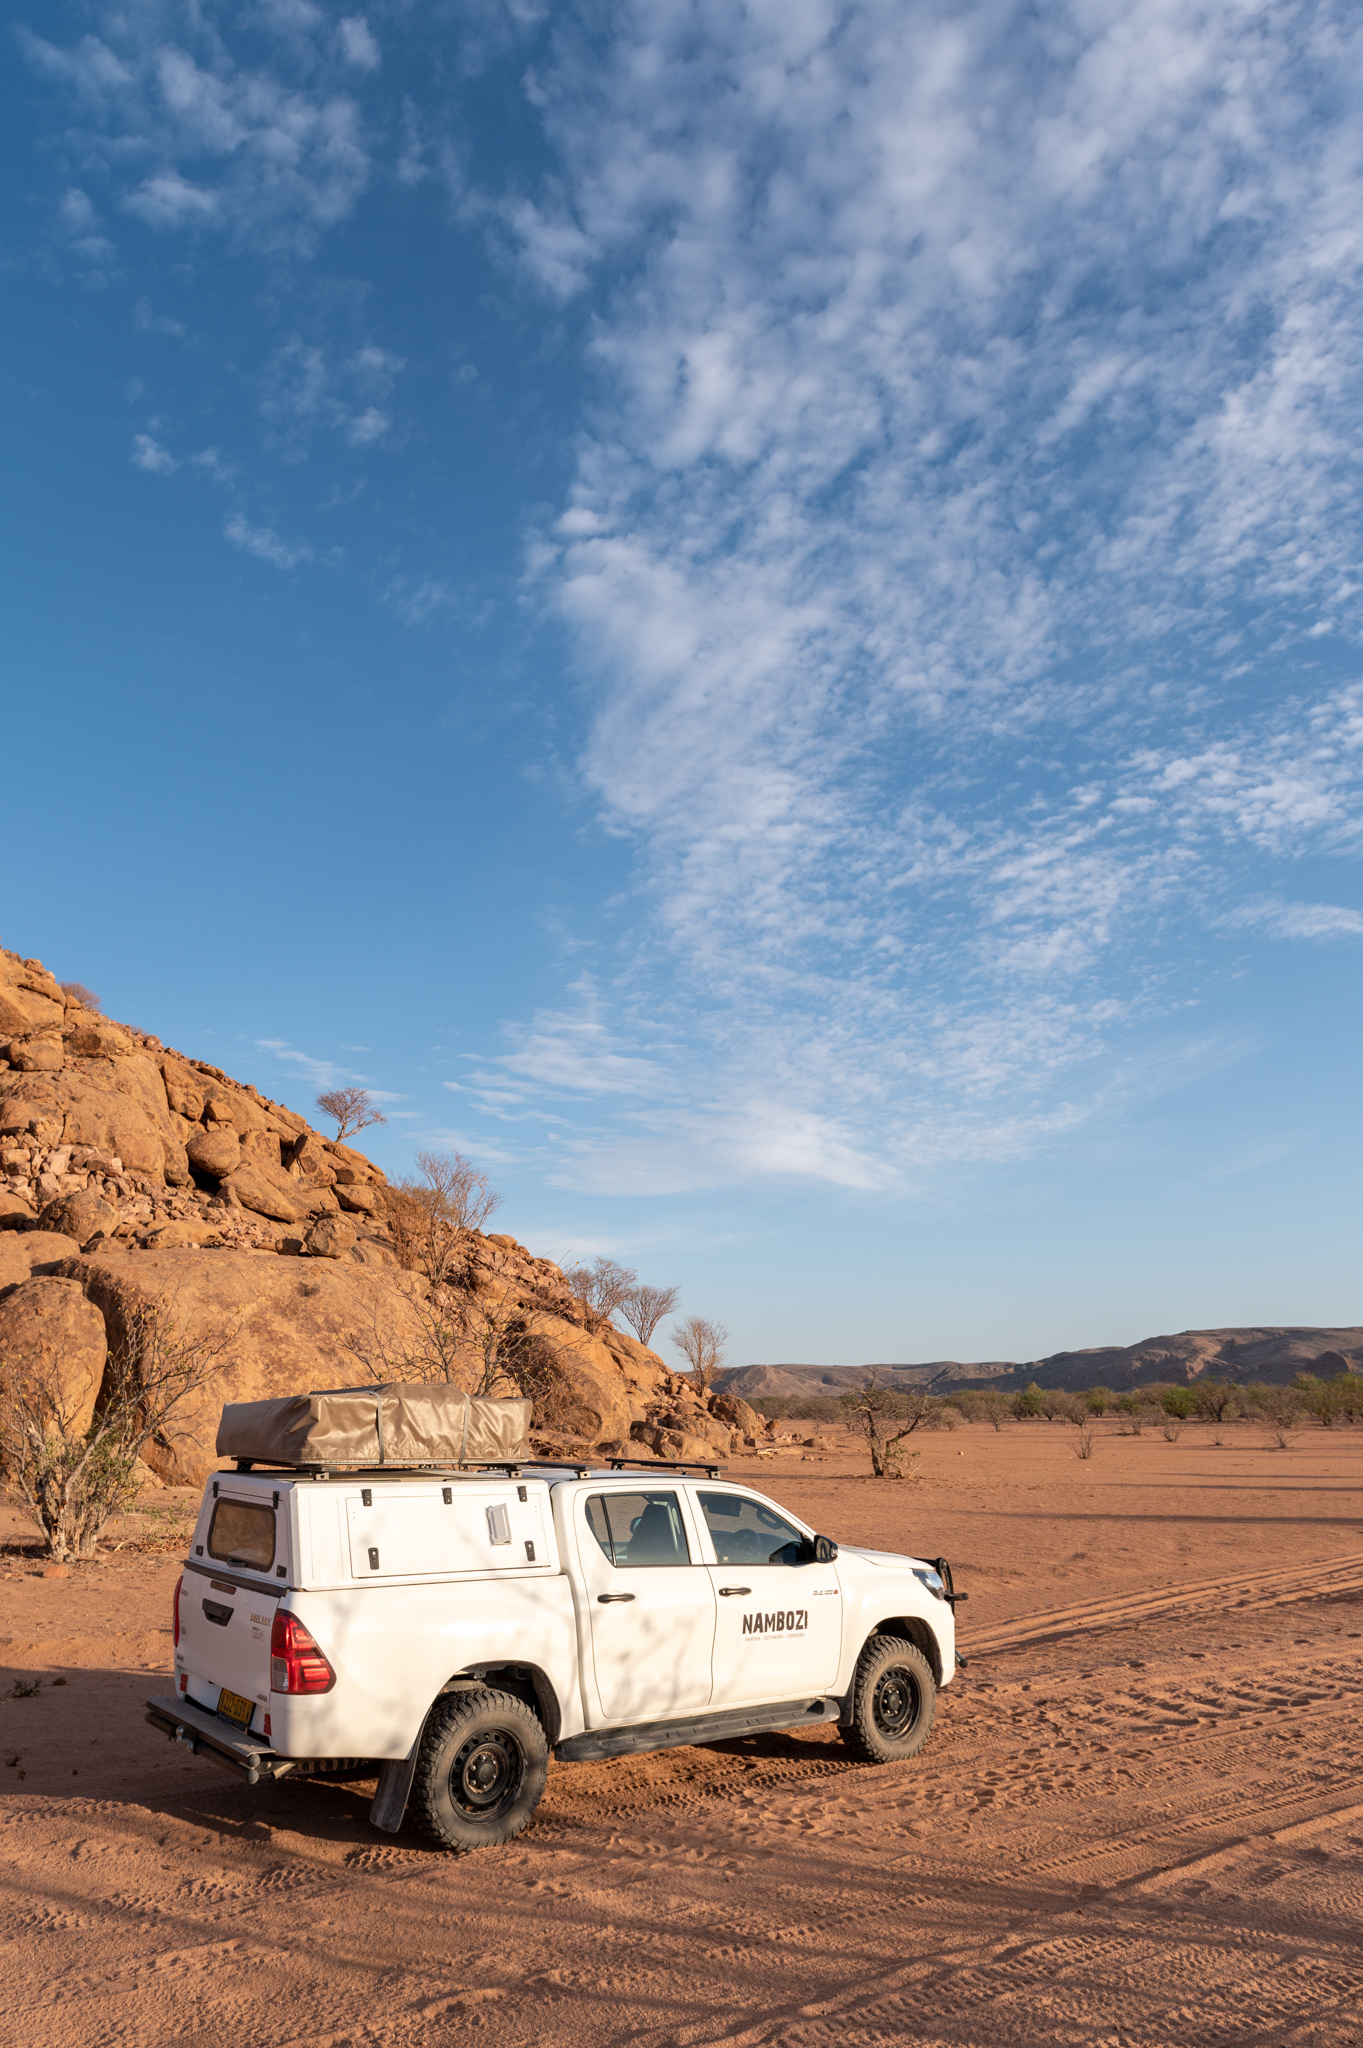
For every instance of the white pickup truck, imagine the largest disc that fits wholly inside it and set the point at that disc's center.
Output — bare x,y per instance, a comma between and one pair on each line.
452,1628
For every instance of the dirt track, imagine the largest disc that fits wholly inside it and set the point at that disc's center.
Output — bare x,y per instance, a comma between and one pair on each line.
1139,1821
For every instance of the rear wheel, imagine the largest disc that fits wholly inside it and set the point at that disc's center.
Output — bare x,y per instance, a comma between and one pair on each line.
482,1767
894,1698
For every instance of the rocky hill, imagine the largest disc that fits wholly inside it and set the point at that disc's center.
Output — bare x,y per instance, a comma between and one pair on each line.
1272,1355
133,1174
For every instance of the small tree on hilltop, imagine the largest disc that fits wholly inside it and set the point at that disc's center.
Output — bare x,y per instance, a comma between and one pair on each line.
645,1307
353,1109
701,1343
603,1287
429,1215
73,1479
886,1418
77,992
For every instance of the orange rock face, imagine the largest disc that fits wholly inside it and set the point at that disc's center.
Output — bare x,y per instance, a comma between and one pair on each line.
169,1181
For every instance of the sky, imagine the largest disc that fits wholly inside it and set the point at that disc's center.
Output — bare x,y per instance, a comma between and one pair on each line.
749,613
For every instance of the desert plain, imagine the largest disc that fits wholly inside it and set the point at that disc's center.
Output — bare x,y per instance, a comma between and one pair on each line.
1139,1820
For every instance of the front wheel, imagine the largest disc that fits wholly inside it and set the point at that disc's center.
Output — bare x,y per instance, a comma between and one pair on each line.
894,1698
482,1767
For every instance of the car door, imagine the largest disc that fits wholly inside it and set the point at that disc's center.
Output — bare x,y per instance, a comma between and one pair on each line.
778,1619
651,1604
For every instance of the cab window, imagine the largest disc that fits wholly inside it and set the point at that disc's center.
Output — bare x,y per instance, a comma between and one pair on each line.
748,1531
242,1533
636,1529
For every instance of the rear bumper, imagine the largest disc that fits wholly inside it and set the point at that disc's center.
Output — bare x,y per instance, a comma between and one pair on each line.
203,1734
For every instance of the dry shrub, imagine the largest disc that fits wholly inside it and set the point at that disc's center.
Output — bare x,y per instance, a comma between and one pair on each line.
1086,1442
485,1341
1173,1429
72,1480
1282,1409
431,1215
77,992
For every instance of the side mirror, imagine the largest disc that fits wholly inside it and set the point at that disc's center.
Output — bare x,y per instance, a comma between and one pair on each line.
824,1550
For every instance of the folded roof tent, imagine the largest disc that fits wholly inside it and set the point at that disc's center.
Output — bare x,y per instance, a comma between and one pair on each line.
380,1425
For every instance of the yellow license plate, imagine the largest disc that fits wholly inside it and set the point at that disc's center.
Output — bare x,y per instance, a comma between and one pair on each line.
232,1707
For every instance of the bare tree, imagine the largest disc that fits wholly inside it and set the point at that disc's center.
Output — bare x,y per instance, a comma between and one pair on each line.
353,1109
604,1286
73,1477
434,1351
886,1418
429,1216
77,992
645,1307
701,1344
488,1342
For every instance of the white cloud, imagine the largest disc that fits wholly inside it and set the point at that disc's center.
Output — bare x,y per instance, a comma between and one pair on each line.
311,387
84,230
1298,920
265,544
318,1073
357,43
976,417
148,454
364,428
192,136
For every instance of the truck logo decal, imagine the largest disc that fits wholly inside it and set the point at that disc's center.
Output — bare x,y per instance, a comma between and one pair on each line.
792,1622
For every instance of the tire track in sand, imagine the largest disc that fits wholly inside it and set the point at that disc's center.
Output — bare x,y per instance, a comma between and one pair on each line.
1255,1589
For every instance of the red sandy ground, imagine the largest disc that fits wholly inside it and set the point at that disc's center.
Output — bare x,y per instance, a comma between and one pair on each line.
1139,1820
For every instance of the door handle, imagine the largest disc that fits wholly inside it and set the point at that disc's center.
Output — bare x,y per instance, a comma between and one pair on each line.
726,1592
606,1598
218,1611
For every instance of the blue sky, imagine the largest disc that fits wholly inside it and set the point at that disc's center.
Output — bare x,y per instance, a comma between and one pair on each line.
752,613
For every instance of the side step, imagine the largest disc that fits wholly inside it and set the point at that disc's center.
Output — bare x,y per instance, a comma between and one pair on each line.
203,1734
595,1743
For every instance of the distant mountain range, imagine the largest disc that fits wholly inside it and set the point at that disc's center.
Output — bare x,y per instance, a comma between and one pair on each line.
1272,1354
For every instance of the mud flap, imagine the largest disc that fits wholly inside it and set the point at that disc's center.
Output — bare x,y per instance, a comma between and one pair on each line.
394,1788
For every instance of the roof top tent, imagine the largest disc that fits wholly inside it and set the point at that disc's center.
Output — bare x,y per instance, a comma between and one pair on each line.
394,1429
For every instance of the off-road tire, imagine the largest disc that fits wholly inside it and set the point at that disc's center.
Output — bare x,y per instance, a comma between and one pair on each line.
894,1699
480,1772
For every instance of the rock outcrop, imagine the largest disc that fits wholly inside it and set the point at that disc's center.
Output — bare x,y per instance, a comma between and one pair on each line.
133,1174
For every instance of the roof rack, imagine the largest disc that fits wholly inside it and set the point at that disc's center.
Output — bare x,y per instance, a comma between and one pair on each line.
510,1467
269,1466
583,1467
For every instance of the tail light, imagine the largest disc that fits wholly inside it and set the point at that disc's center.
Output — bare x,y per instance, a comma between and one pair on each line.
296,1663
175,1610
